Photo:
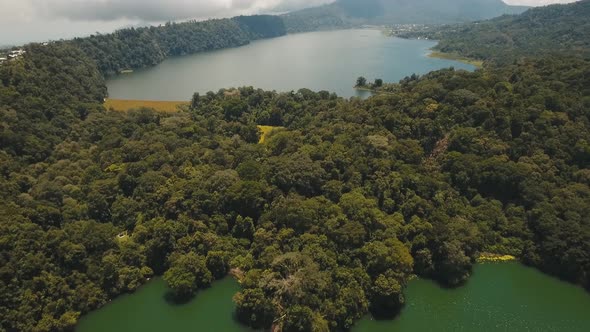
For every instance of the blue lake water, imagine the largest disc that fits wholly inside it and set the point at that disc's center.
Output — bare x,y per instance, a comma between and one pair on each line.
327,60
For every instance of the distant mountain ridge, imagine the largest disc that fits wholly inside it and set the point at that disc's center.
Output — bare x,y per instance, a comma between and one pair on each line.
348,13
554,29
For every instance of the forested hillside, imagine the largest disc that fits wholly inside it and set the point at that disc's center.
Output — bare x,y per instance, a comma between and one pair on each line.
553,30
325,220
144,47
323,223
42,95
347,13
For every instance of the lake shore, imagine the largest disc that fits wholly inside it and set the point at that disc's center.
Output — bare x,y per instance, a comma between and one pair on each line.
374,91
364,88
455,57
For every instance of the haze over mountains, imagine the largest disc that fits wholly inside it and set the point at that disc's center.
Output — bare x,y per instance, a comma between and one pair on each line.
41,20
343,13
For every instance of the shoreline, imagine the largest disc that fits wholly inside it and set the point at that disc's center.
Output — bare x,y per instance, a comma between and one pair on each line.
372,90
455,57
364,88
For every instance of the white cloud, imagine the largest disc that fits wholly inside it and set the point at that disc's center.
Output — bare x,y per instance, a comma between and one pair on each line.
38,20
536,2
24,21
145,10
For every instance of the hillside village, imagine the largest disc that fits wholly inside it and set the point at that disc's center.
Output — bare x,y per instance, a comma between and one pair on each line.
11,55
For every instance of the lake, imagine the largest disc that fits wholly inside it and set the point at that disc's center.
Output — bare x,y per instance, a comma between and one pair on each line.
328,60
498,297
147,310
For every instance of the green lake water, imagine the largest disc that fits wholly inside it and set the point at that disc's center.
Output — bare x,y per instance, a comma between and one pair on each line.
498,297
327,60
148,310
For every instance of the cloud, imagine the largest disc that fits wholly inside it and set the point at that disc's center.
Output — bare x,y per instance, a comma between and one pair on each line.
536,2
160,10
38,20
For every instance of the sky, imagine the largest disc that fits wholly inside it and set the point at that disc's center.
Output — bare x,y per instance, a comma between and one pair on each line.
24,21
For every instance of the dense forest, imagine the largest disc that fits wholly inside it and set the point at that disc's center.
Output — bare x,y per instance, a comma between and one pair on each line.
350,13
42,95
548,30
144,47
323,222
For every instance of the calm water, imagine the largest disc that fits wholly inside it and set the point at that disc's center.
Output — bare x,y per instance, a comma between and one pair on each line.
499,297
147,310
330,60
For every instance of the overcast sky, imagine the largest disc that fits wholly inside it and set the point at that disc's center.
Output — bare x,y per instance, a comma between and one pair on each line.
39,20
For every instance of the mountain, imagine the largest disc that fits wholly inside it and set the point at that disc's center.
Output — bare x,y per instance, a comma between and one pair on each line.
348,13
555,29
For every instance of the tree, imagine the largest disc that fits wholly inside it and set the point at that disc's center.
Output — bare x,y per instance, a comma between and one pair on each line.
361,209
389,255
361,81
217,263
254,309
195,101
187,274
233,108
245,198
387,297
378,83
181,281
243,228
453,266
250,170
300,319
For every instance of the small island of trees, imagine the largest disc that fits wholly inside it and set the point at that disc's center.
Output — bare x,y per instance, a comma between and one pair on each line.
361,83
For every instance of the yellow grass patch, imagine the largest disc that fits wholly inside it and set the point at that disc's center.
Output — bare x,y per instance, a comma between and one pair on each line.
488,257
266,130
123,105
432,107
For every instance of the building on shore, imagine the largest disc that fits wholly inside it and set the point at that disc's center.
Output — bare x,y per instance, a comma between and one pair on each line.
16,53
